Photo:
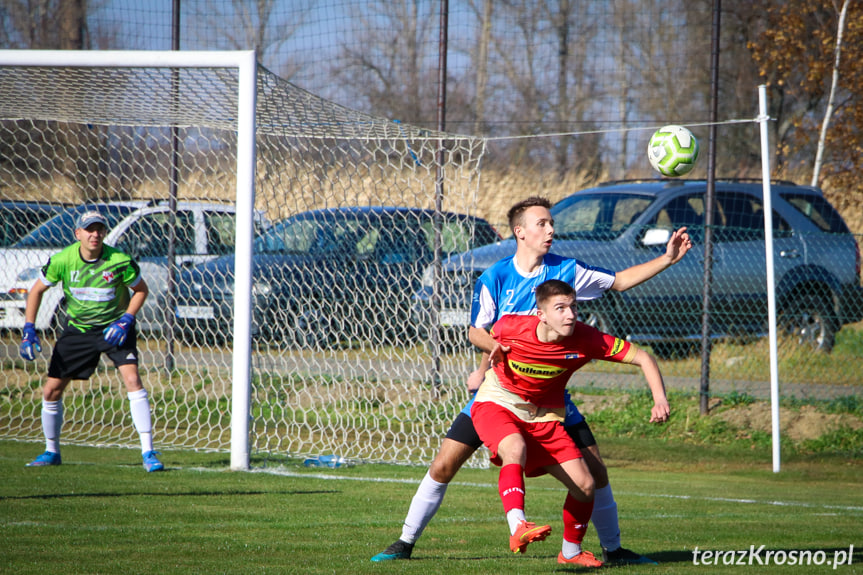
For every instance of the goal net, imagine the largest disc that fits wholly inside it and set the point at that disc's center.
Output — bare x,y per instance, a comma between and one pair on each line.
352,349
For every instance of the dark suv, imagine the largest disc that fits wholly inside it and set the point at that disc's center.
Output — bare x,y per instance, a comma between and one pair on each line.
329,277
620,224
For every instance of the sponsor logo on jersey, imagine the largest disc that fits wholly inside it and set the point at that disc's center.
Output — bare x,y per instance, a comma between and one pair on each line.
92,294
617,347
108,276
535,370
572,356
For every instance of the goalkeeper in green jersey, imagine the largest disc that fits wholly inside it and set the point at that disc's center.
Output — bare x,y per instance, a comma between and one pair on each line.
97,280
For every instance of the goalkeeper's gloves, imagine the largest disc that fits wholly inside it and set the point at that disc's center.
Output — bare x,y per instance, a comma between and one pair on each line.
117,332
30,344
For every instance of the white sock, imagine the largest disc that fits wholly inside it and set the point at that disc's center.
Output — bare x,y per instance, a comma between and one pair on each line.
605,518
140,408
52,422
514,517
424,505
570,549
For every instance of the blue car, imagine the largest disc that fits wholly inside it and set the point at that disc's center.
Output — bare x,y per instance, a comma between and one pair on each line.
19,218
330,277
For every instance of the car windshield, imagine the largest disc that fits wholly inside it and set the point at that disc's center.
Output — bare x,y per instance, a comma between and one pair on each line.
312,236
59,231
18,219
599,217
386,237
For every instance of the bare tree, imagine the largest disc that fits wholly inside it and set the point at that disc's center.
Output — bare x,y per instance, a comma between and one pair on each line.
480,60
252,25
796,54
384,66
72,23
832,97
29,24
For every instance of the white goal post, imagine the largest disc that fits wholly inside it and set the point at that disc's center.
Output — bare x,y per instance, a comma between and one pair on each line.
245,63
327,341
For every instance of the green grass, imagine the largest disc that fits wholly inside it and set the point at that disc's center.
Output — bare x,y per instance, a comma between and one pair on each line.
101,513
751,361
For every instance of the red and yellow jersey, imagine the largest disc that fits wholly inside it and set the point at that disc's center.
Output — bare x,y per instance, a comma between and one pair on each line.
537,371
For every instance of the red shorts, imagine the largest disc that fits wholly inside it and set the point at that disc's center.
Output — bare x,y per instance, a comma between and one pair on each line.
547,442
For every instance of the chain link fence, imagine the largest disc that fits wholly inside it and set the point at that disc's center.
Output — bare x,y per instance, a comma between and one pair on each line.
359,331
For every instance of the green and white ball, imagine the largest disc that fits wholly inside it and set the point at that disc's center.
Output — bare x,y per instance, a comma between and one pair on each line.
672,151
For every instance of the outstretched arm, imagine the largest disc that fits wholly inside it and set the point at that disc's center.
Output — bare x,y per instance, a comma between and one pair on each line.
677,246
647,363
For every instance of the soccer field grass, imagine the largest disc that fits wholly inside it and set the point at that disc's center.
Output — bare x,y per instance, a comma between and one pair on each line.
101,513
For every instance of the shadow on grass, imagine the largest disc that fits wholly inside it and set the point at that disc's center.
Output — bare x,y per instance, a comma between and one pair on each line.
162,494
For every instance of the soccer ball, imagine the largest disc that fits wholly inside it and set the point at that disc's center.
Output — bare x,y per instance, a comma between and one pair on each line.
672,151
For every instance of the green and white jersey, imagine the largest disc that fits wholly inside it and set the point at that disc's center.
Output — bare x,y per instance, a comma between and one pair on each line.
97,293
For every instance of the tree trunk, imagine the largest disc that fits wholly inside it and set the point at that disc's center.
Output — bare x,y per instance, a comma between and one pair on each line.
71,21
819,155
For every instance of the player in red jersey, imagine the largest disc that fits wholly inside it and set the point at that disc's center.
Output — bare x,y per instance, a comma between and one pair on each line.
519,410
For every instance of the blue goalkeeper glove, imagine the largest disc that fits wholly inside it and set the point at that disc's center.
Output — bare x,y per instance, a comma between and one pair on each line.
117,332
30,344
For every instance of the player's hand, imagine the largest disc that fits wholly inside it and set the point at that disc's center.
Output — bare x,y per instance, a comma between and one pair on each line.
497,354
678,245
117,332
660,412
30,344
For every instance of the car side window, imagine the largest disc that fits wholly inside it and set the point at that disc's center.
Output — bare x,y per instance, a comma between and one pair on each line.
740,217
398,246
148,236
221,232
455,237
683,211
818,211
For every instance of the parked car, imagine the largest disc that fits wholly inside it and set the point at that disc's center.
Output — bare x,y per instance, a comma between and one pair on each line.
327,277
18,218
203,232
615,226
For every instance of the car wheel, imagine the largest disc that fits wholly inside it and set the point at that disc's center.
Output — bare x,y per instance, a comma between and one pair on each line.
280,327
596,319
809,322
316,329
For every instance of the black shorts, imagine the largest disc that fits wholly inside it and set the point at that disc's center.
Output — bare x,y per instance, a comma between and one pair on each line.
581,434
76,354
463,431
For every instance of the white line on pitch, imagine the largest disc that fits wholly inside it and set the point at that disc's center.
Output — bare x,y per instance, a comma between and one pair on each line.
327,476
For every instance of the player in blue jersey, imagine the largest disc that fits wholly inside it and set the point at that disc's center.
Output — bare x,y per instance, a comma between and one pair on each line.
508,287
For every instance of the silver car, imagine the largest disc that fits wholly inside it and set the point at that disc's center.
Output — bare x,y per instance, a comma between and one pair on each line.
203,231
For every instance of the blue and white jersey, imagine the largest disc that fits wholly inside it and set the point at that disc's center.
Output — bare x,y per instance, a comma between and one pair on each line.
505,289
